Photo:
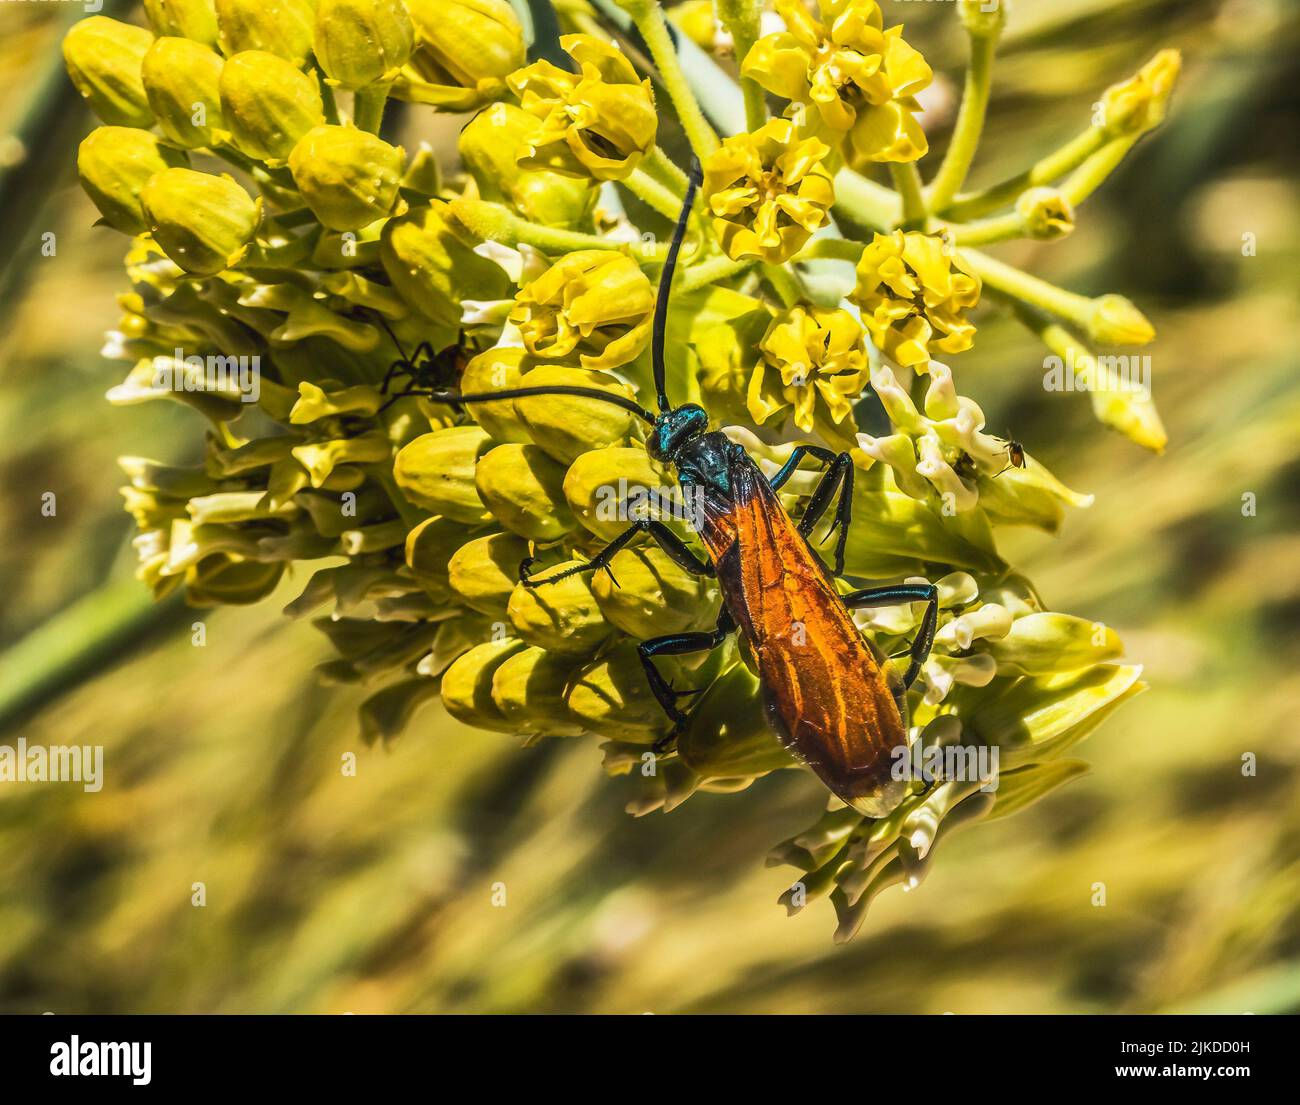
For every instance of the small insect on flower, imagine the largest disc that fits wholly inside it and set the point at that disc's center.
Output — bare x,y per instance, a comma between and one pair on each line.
425,370
1015,455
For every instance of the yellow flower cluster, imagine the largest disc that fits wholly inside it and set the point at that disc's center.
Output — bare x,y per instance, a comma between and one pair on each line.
768,191
914,292
856,80
810,353
598,122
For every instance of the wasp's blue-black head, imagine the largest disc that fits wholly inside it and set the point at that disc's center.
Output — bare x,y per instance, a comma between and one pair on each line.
674,429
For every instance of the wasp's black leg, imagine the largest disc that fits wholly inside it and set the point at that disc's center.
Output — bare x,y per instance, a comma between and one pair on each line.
393,369
837,476
896,596
677,549
676,644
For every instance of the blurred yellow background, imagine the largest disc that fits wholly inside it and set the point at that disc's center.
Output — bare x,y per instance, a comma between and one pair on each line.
374,893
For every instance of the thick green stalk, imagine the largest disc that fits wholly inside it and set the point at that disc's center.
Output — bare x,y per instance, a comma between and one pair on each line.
1090,176
1032,290
649,19
1045,171
710,272
742,19
368,107
865,202
970,122
907,179
653,194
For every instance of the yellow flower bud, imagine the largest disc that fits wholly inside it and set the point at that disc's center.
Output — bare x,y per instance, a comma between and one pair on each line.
1115,320
362,42
598,481
430,546
1046,212
467,685
529,688
280,27
1048,643
594,302
484,572
202,222
433,266
493,370
983,17
598,123
768,191
852,78
612,697
195,20
914,293
524,489
563,616
347,176
114,164
463,51
182,80
103,58
728,734
566,426
654,595
1138,104
488,146
436,472
268,104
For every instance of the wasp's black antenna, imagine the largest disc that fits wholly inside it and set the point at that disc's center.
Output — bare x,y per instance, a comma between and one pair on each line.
523,393
666,284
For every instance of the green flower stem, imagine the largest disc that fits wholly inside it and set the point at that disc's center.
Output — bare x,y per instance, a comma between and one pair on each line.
368,107
1051,168
711,271
499,224
742,20
907,179
664,169
864,201
649,19
970,122
653,194
786,285
832,249
1021,286
1090,176
1000,228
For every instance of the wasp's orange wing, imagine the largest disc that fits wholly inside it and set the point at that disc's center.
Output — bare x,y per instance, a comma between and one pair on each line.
828,696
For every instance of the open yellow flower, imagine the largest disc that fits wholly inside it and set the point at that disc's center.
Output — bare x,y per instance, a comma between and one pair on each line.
598,122
914,293
808,354
594,302
768,191
857,79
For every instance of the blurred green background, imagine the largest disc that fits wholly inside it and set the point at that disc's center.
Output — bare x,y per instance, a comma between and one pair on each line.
374,893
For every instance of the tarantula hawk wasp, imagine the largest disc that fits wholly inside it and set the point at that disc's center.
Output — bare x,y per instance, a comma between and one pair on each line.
830,697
